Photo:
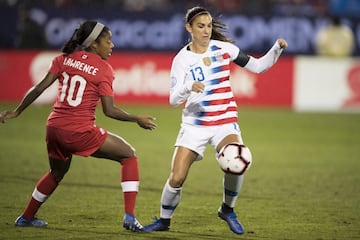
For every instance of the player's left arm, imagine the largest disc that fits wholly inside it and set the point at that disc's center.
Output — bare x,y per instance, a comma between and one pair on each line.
29,97
259,65
112,111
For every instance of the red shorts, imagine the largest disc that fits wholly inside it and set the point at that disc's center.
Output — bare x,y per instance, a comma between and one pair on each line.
62,144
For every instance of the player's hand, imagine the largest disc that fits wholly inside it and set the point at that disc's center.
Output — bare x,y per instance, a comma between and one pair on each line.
198,87
7,115
146,122
283,44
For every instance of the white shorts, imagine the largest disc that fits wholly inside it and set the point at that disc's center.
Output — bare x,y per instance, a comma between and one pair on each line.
196,138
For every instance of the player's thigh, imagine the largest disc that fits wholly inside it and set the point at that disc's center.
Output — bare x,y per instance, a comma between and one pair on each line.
228,139
182,160
227,133
194,138
115,148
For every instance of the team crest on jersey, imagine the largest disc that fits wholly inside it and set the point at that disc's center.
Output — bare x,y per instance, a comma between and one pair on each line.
207,61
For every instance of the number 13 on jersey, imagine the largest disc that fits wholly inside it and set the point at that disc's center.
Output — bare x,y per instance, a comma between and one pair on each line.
197,74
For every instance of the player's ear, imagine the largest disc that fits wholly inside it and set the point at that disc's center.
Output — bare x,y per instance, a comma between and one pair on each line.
94,45
188,27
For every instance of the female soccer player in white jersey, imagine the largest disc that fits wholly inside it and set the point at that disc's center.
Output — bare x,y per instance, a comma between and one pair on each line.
84,78
200,76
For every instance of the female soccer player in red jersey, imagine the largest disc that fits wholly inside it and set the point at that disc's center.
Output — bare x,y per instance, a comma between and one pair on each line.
84,78
200,76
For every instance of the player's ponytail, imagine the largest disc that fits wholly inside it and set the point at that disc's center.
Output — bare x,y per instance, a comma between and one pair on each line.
83,36
218,29
71,45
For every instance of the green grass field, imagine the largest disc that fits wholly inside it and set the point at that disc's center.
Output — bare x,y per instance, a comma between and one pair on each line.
304,182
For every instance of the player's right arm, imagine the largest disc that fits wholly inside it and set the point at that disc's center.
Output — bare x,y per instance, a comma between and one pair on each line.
182,84
29,97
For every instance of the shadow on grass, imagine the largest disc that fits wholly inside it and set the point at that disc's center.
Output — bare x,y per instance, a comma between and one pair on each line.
171,235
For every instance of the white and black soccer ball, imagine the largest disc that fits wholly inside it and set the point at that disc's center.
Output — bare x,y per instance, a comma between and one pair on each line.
234,158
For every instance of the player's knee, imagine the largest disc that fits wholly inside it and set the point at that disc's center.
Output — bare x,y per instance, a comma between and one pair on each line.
126,155
59,168
58,175
130,153
176,181
120,155
126,152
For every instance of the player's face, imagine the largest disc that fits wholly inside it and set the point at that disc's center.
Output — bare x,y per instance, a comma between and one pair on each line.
200,29
105,46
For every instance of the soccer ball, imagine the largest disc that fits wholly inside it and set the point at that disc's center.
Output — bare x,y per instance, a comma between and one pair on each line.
234,158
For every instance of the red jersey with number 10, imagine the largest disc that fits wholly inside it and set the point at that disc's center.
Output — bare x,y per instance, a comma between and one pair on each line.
83,78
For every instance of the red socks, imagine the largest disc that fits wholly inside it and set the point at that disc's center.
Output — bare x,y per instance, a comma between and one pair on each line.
130,183
44,187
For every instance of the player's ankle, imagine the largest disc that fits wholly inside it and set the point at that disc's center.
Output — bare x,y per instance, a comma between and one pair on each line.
165,221
226,209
